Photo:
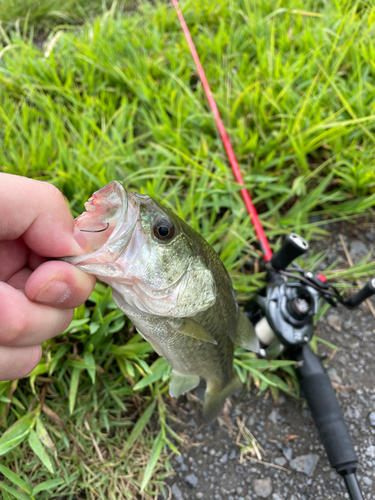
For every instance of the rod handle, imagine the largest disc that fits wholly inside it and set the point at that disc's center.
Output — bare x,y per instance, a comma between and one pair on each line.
329,420
366,292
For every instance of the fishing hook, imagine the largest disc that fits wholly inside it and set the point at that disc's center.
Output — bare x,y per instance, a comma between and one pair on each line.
98,231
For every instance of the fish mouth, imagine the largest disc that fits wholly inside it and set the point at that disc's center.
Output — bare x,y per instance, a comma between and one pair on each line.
105,214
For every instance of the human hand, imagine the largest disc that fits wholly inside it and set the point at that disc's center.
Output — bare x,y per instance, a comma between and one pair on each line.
37,298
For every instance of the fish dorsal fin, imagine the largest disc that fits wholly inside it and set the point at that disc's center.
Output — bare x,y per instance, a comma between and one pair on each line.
180,383
193,329
245,333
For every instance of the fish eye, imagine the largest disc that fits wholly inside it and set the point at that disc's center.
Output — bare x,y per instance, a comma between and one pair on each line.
164,230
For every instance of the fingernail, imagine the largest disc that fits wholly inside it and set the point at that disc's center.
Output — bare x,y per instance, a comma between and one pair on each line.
81,240
55,292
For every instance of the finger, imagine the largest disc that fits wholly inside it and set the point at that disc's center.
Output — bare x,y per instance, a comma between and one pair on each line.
59,284
37,210
25,323
34,260
19,279
17,362
13,257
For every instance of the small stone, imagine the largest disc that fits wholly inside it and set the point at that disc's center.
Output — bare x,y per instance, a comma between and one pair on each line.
275,416
276,496
191,480
224,458
335,322
281,400
280,461
370,452
372,418
353,414
176,492
179,459
288,453
232,455
305,464
366,480
238,410
358,250
212,452
239,490
333,375
263,487
250,421
199,495
336,488
370,236
239,469
358,335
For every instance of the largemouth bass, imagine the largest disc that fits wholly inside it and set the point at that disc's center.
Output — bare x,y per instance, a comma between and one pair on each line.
172,285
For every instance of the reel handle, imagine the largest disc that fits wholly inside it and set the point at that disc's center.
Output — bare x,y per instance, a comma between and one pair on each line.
292,247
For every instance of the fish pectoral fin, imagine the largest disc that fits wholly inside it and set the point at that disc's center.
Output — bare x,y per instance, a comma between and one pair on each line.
214,400
193,329
180,383
245,333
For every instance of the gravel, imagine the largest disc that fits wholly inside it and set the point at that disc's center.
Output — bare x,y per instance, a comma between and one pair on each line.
214,467
335,321
358,250
305,464
263,487
280,461
177,494
275,416
191,480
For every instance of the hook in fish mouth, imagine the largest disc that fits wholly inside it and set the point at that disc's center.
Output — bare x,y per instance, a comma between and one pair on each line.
105,213
97,231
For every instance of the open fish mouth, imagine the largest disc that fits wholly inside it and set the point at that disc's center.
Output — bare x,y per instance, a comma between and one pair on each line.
105,214
145,273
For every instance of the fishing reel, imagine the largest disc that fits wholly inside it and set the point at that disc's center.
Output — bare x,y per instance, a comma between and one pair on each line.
283,312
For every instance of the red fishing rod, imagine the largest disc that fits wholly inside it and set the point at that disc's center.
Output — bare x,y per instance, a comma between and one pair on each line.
226,141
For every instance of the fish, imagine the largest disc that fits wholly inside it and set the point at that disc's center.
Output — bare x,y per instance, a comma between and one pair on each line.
172,285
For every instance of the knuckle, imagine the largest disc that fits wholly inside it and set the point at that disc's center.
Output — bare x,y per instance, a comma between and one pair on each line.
54,193
16,329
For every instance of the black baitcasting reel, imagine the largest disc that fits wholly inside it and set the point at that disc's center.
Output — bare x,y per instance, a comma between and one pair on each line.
283,314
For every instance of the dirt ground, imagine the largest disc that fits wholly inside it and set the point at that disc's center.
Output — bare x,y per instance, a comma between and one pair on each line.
210,468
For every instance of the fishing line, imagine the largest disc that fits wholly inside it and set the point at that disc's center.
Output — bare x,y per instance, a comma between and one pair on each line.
226,141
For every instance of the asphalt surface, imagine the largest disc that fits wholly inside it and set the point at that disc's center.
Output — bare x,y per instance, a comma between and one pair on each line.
210,466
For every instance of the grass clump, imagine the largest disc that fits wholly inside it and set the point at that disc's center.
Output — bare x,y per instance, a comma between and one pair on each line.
120,99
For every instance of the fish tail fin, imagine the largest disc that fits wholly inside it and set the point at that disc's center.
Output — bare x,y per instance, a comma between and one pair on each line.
214,401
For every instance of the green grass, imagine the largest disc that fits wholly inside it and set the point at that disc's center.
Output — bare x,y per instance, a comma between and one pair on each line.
119,98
